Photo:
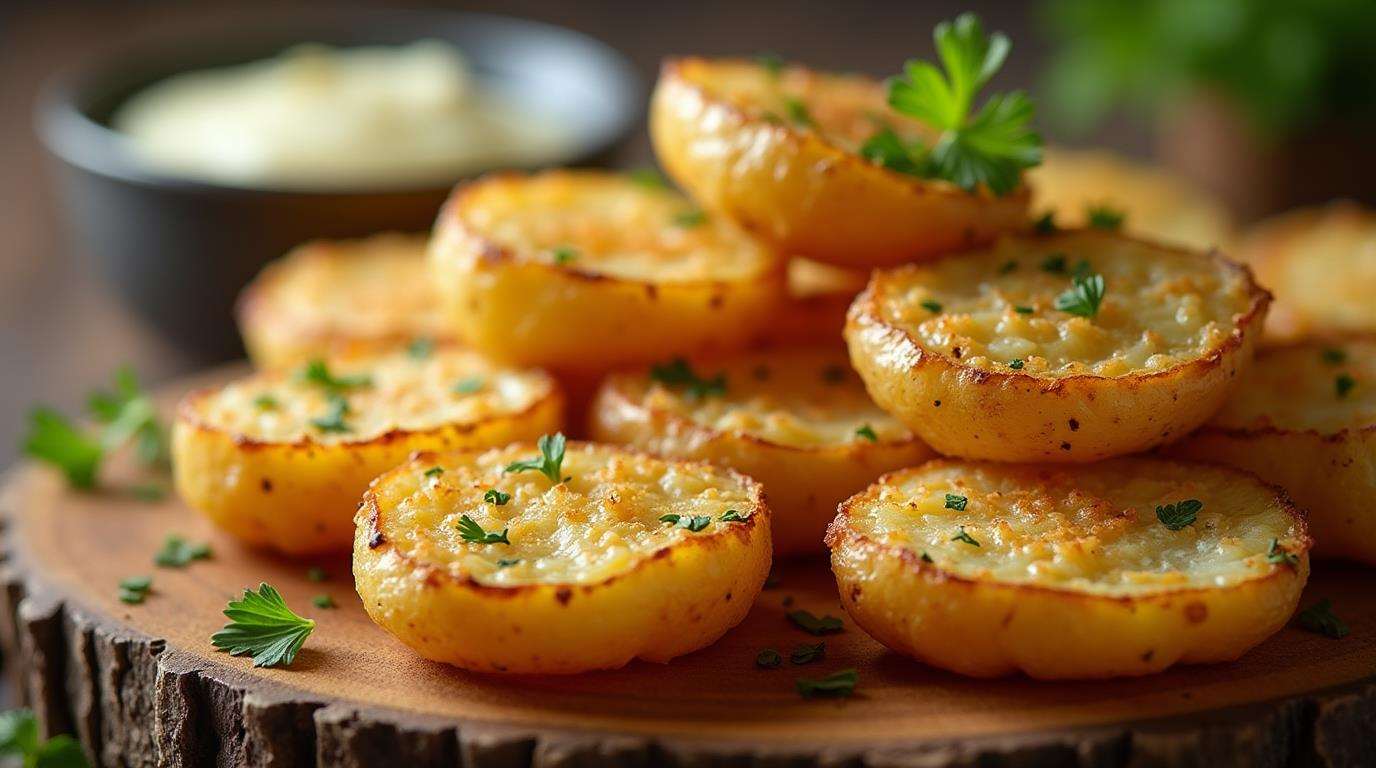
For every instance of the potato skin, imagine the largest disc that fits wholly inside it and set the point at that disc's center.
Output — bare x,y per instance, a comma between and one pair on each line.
803,195
985,628
679,599
1013,416
299,497
524,312
804,483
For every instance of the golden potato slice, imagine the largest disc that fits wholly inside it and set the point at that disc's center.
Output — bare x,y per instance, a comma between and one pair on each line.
1321,264
815,311
779,153
973,353
1069,572
1304,417
1158,205
797,420
581,271
281,459
341,297
624,557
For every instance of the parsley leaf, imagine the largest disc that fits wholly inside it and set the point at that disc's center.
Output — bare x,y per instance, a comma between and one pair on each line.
336,408
177,552
768,659
798,113
678,373
868,433
1104,217
965,538
316,574
318,372
693,523
732,516
1084,297
1334,356
836,685
648,178
1016,364
1023,310
564,254
989,148
807,653
133,590
504,562
549,463
825,625
468,386
494,496
19,738
265,402
690,219
421,348
931,305
1046,224
324,601
469,530
1055,264
1320,618
1179,515
1343,384
956,502
52,438
261,625
886,149
433,472
772,63
1278,555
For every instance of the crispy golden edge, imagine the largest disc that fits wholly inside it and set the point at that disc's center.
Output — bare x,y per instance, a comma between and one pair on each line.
840,532
371,514
865,312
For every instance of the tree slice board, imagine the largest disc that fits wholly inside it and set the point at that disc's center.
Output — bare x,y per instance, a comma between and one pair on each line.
142,686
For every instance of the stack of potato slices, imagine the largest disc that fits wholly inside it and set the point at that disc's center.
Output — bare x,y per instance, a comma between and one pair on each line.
952,399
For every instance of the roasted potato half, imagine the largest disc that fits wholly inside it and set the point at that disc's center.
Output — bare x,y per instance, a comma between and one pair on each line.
1304,417
797,420
1121,568
581,271
1321,264
779,152
1071,347
1156,204
600,557
815,311
341,297
281,459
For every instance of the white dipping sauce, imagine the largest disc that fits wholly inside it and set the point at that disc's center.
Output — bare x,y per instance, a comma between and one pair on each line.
317,116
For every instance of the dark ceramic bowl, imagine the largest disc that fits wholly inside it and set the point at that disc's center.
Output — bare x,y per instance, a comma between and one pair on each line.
178,250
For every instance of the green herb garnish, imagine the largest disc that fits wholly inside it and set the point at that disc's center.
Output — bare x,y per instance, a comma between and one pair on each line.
564,255
678,373
807,653
317,574
421,348
1023,310
886,149
956,502
468,386
732,516
324,601
797,112
772,63
690,219
469,530
868,433
1278,555
318,372
19,739
813,625
931,305
1046,224
1008,267
836,685
177,552
507,563
1104,217
1084,297
693,523
549,463
989,148
1320,618
965,538
434,472
494,496
649,178
1016,364
1334,356
336,408
768,659
262,626
134,589
1054,263
266,402
1343,384
1180,514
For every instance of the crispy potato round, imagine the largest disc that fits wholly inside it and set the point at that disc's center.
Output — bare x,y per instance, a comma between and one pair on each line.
1304,417
281,459
797,420
588,573
815,310
581,271
972,353
1068,572
1158,205
779,153
1321,264
341,297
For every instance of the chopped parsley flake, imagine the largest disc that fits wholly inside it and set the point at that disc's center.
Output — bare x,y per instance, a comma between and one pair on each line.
772,63
768,659
868,433
1023,310
494,496
470,531
1334,356
1084,297
324,601
798,113
133,590
1016,364
265,402
177,552
420,348
649,178
1055,264
693,523
732,516
931,305
965,538
434,471
806,653
318,372
1320,618
1104,217
549,463
956,502
564,254
1343,384
1008,267
690,219
336,409
836,685
814,625
1045,224
1179,515
1278,555
468,386
317,575
677,373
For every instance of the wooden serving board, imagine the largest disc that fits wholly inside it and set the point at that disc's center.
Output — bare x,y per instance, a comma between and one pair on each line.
142,685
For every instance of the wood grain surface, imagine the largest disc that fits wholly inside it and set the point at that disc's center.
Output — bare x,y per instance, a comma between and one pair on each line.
142,685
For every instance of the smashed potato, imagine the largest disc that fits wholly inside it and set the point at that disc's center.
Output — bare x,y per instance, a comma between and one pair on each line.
1120,568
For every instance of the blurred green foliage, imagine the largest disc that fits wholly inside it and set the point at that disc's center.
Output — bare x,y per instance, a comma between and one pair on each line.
1285,64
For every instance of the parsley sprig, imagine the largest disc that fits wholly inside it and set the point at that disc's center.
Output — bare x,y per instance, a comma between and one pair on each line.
470,531
693,523
815,625
19,738
988,148
261,625
1321,619
126,415
836,685
678,373
1179,515
318,372
549,463
1084,297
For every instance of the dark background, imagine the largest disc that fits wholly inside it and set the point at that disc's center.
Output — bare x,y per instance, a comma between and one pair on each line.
61,333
